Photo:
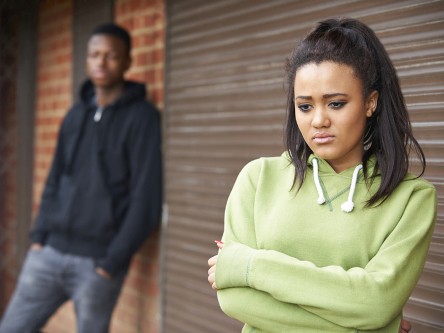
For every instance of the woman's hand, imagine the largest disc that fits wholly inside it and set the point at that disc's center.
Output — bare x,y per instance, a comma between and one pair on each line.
212,263
405,326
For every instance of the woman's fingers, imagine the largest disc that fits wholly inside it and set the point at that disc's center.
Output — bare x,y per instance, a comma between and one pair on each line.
212,263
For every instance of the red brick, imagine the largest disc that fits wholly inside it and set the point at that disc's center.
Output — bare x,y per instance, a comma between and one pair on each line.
159,56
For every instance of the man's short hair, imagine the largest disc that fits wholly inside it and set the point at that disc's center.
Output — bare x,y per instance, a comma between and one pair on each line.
114,30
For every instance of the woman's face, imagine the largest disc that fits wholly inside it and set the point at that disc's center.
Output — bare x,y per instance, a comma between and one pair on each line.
331,112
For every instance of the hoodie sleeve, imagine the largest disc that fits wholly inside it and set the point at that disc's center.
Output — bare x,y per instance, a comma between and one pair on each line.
365,298
145,197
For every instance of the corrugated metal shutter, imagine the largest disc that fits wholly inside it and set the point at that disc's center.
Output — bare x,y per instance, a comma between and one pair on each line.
225,105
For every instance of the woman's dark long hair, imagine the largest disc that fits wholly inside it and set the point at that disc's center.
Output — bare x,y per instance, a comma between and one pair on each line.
388,132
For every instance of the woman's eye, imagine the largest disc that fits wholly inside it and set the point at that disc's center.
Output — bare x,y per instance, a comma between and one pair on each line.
304,107
337,105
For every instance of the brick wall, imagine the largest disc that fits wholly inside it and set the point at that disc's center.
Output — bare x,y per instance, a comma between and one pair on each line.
138,308
8,159
146,22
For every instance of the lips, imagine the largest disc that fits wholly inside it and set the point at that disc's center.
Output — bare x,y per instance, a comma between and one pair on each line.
99,74
322,138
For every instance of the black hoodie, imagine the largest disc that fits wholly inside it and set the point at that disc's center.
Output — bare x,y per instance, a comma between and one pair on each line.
103,194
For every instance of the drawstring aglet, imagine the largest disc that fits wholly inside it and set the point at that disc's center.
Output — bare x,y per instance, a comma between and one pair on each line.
348,206
98,114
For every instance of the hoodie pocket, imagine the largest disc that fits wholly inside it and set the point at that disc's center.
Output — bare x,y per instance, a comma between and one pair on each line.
56,206
93,217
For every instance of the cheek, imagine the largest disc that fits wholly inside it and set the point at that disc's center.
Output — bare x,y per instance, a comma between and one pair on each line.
301,120
89,65
117,67
297,117
303,125
354,125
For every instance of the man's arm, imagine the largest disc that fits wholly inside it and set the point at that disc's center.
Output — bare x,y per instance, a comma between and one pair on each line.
145,194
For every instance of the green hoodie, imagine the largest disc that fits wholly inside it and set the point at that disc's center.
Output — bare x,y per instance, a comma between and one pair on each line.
291,264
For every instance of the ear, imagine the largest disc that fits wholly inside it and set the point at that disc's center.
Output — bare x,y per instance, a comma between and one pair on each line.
371,103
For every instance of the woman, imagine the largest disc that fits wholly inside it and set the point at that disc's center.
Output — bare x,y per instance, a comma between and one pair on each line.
332,235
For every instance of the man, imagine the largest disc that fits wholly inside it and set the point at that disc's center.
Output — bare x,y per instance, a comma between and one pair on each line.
102,196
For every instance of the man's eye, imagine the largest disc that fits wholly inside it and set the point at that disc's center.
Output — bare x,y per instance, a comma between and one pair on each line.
112,57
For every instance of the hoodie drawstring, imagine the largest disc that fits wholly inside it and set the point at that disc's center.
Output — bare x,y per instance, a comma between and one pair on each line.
349,204
98,114
321,198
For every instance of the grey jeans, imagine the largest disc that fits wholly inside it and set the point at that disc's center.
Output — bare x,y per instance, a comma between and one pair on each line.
48,279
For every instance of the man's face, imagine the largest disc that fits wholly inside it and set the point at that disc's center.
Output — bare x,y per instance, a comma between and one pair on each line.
107,60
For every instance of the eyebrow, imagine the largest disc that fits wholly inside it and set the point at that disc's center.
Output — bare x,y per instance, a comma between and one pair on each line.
323,96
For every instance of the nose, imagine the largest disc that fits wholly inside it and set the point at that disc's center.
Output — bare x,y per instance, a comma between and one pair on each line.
320,118
101,60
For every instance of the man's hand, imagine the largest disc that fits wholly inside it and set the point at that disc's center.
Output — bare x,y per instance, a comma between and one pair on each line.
100,271
36,247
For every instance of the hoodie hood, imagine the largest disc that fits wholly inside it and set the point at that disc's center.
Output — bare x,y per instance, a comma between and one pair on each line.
132,92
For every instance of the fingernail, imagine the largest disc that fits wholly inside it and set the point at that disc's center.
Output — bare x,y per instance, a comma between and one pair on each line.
218,241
